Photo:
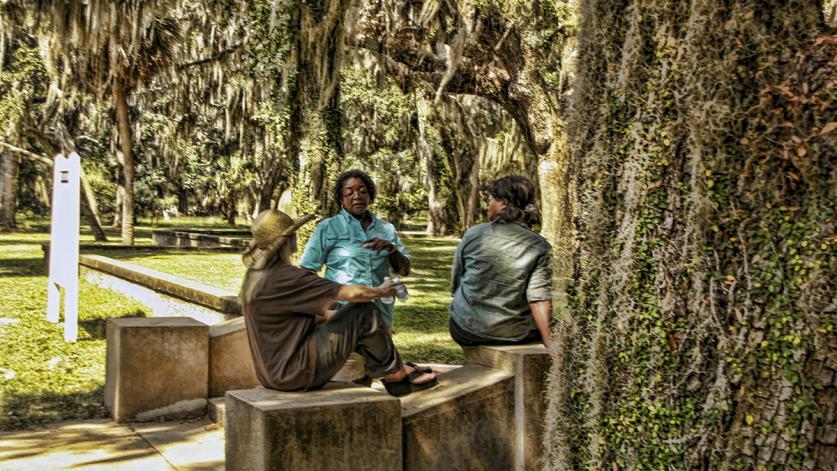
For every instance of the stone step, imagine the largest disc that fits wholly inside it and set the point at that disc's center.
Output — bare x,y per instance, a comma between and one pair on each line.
216,409
464,422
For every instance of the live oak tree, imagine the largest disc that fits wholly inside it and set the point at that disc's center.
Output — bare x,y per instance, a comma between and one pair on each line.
701,330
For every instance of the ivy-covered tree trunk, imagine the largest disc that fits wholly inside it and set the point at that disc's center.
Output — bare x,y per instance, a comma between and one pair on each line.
702,329
314,138
9,164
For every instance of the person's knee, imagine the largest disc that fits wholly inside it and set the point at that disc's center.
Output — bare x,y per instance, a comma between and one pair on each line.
364,315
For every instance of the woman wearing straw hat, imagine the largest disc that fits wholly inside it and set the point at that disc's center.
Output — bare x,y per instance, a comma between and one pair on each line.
281,304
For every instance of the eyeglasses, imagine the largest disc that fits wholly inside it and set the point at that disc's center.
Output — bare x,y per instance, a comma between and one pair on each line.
349,193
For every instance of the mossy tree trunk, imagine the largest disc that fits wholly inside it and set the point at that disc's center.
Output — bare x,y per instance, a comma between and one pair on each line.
702,334
314,140
459,143
9,165
437,171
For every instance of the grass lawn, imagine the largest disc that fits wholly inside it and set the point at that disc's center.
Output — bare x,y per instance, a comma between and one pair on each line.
43,379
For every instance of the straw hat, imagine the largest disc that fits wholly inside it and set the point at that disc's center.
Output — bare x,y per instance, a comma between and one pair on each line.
270,230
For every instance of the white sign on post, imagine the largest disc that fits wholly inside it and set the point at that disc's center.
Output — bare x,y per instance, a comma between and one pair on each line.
63,245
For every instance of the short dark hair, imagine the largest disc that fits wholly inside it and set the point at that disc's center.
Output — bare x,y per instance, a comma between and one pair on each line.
519,195
354,173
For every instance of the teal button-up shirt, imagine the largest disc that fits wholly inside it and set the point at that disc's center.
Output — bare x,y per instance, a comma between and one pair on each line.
337,243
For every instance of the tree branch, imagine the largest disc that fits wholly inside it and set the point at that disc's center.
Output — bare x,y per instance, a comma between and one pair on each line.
37,158
214,58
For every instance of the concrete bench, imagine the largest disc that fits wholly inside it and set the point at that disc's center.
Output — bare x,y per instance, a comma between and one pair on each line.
156,368
465,422
230,362
237,239
340,427
530,366
485,415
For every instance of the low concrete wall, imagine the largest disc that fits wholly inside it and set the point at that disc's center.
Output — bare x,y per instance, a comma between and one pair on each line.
238,239
530,366
465,422
159,305
192,291
340,427
143,248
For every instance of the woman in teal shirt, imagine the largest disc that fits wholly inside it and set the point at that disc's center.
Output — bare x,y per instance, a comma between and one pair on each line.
355,246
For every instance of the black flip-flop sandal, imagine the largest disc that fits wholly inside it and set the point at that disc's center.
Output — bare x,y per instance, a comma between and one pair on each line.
364,381
407,386
419,368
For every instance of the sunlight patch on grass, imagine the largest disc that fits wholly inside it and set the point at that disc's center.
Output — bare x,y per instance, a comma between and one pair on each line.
45,379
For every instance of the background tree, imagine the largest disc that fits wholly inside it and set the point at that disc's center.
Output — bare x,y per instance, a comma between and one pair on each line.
104,46
703,313
317,32
507,52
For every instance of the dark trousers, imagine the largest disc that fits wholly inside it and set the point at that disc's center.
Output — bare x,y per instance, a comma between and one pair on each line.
467,339
356,327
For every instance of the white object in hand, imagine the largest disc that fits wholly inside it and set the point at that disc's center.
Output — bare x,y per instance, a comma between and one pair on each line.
388,299
400,290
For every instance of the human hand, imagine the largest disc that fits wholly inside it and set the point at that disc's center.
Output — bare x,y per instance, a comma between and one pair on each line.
388,288
377,244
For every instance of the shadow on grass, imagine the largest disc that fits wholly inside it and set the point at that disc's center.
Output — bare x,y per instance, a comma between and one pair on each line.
140,253
445,352
21,411
433,285
96,329
22,242
26,267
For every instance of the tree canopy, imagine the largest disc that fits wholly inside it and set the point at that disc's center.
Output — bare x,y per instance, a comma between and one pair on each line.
684,154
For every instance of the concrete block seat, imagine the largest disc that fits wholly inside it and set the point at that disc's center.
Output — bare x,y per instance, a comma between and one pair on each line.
156,368
529,364
230,361
465,422
339,427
